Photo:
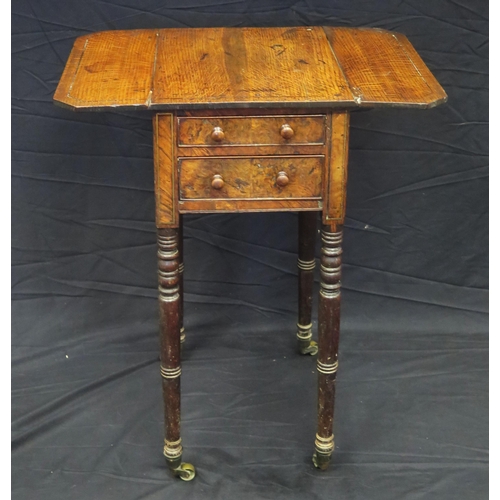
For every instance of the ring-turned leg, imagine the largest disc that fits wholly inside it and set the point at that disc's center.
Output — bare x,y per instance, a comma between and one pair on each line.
328,341
170,368
181,278
306,263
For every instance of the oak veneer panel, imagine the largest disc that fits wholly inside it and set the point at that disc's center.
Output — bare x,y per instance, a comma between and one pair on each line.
335,181
62,92
438,93
231,112
284,150
382,68
165,171
115,68
222,205
300,67
251,177
247,65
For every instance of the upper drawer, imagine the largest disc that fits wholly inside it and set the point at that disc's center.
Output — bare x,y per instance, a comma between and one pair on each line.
252,130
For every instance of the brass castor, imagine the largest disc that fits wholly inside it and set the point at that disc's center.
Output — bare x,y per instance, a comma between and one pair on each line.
304,336
321,460
308,347
183,470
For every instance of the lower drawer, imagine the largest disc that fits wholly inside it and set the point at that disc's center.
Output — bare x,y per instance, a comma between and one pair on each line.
283,177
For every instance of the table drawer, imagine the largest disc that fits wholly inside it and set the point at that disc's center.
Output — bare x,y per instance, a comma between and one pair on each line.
289,177
251,130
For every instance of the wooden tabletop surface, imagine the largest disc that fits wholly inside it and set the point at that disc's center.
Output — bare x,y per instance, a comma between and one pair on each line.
185,68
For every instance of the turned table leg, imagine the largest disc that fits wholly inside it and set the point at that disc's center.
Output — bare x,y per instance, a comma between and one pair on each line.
306,263
170,359
181,278
328,340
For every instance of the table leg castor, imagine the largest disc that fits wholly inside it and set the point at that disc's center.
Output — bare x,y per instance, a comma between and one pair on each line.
305,344
182,470
323,453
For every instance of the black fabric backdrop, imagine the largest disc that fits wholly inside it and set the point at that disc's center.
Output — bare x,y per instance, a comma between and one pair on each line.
411,414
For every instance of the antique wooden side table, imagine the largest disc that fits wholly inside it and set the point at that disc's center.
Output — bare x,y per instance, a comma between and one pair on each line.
249,120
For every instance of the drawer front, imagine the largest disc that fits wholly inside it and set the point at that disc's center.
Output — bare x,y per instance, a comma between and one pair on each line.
291,177
254,131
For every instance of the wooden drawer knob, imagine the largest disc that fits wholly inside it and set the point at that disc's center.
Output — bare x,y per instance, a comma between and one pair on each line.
217,134
282,179
286,131
217,181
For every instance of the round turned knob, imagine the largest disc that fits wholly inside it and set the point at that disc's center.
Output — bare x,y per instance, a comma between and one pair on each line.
217,181
286,131
282,179
217,134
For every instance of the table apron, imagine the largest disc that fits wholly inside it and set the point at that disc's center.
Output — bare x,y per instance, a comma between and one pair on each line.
330,199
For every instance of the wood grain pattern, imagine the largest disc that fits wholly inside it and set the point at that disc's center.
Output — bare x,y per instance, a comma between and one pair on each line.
181,68
239,206
165,171
251,177
284,150
381,70
115,69
229,112
247,65
438,94
62,93
255,131
335,180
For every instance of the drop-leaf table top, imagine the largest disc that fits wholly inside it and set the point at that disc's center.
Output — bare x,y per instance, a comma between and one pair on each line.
168,69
